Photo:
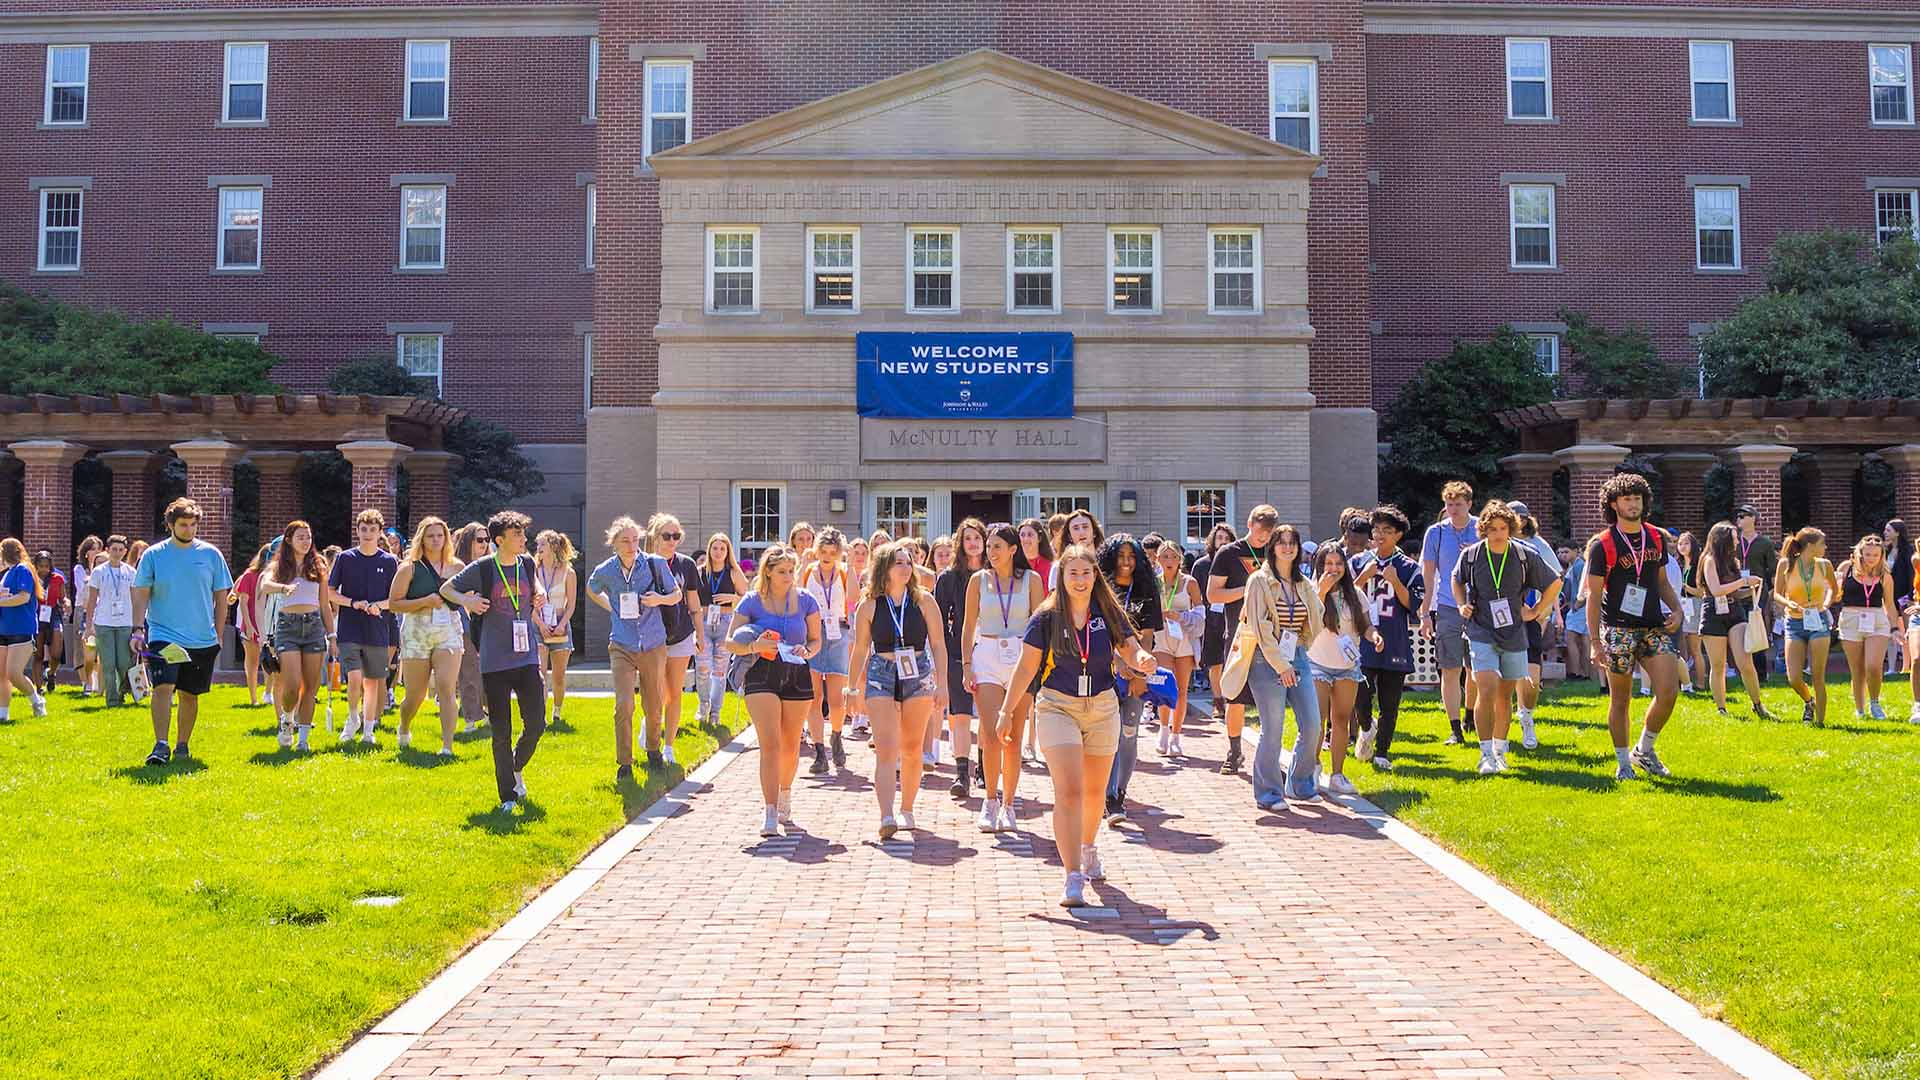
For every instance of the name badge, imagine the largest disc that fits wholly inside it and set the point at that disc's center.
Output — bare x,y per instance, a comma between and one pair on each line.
1009,648
830,626
1634,600
906,664
46,612
1217,609
1721,605
550,614
1085,685
629,605
1813,620
1350,650
441,616
789,653
522,636
1501,611
1173,631
1289,643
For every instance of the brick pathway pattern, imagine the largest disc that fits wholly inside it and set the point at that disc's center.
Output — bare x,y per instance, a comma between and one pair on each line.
1228,942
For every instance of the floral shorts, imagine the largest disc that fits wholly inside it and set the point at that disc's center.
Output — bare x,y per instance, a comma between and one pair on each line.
1628,645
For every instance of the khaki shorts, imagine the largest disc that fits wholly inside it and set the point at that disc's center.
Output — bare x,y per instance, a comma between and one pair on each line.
1091,723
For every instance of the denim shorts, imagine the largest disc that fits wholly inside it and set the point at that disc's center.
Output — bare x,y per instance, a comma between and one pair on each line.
1329,675
832,657
884,681
299,631
1486,657
1797,630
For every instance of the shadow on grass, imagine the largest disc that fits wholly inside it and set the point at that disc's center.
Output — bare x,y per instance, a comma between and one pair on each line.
176,769
417,758
279,756
500,823
558,726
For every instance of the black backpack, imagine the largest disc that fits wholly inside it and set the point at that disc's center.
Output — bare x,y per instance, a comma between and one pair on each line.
676,618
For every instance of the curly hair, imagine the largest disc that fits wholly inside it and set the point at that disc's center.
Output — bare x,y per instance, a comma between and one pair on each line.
1496,510
1625,483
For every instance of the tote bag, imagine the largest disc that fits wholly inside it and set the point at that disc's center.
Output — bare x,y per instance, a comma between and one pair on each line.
1756,631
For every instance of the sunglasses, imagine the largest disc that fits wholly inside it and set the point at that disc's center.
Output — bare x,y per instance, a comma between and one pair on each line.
670,536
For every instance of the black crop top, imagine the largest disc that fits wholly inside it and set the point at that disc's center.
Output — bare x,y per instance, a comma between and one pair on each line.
885,638
1854,594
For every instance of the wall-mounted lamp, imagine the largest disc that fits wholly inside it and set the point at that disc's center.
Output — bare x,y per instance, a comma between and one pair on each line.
1129,501
837,501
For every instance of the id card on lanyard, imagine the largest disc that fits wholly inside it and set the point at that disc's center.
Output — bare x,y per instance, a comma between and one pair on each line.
1085,648
829,618
629,600
522,633
1633,599
1289,639
906,660
1500,608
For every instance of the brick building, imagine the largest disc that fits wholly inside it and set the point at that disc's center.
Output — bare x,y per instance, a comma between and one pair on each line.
418,179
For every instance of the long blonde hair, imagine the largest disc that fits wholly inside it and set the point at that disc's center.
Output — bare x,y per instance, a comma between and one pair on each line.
763,573
417,547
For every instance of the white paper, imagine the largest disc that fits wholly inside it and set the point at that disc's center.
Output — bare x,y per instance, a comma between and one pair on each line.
790,653
46,612
1501,611
1217,609
1634,600
1721,605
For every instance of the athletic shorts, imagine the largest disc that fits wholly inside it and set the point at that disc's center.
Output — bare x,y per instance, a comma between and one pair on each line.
832,657
369,660
1449,637
194,677
420,638
788,682
1213,642
1485,656
884,681
1091,724
7,640
1628,645
301,632
988,667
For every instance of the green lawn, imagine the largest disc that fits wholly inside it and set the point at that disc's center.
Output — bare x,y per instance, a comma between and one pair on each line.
1774,881
198,920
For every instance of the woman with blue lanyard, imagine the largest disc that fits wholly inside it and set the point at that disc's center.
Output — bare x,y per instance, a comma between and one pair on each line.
899,650
20,597
721,586
781,625
988,637
826,581
1124,564
950,592
1279,615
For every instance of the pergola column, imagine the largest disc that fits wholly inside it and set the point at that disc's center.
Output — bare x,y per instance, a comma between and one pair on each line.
210,465
1756,478
1683,491
429,487
1588,466
374,483
136,477
279,489
1904,460
1533,482
48,495
1832,502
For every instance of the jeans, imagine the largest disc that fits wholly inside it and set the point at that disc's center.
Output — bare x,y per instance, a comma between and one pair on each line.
1385,686
114,646
712,665
502,687
1270,784
1131,709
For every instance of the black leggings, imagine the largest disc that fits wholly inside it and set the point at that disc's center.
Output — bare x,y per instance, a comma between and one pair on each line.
1385,685
501,688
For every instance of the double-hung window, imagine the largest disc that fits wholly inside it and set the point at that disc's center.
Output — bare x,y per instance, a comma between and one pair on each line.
67,69
419,355
1233,271
240,209
423,227
1529,79
593,219
1530,216
833,269
1293,93
1033,270
427,78
593,78
244,86
1710,65
733,270
669,105
1890,73
1716,227
1133,270
60,210
1893,215
1546,352
933,266
759,518
1204,508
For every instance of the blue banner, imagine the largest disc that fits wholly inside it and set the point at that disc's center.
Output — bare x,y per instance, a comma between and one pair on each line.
1021,376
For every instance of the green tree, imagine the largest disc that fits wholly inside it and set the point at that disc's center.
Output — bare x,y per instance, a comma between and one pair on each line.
1442,427
1623,364
50,347
494,474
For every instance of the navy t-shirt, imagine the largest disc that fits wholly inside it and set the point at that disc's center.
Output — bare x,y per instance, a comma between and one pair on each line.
1064,676
368,578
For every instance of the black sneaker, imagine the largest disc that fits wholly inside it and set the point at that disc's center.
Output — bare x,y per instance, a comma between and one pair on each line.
160,756
624,772
181,753
1806,714
963,779
819,766
654,760
1232,765
1455,739
839,752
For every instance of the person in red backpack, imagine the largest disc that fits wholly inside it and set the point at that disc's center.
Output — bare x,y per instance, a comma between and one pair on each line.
1635,611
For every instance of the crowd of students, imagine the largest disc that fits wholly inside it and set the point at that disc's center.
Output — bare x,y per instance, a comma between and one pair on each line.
1008,642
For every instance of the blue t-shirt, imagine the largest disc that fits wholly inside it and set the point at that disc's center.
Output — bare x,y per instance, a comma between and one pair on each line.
650,574
791,626
20,620
1064,673
364,577
496,626
182,580
1443,544
1394,621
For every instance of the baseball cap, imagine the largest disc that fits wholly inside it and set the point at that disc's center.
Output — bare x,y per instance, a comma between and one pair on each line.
1520,508
1746,510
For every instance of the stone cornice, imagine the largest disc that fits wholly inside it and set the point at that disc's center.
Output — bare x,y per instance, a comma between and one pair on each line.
683,204
1638,21
762,330
496,20
936,166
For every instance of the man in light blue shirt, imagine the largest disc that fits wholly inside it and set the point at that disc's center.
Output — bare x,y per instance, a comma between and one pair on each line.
1440,619
633,587
179,590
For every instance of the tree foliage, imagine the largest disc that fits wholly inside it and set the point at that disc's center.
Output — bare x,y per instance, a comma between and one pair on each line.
1839,319
1620,365
494,474
50,347
1442,425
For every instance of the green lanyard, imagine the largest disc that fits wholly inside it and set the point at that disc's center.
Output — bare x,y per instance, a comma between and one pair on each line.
1806,580
512,591
1496,573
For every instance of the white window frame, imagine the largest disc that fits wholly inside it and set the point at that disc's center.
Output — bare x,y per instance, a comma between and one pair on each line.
586,355
227,82
252,339
1514,226
1739,261
754,269
1880,231
1096,498
1187,488
1694,80
1906,51
1553,351
648,116
441,264
85,84
593,78
1214,271
832,230
1546,44
1113,270
593,219
439,358
41,230
936,498
1313,98
222,228
1053,231
737,534
446,81
913,268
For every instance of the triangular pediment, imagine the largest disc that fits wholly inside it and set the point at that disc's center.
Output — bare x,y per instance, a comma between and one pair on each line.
983,105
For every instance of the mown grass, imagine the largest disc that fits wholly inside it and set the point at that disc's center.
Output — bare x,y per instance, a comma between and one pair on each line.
1774,881
199,919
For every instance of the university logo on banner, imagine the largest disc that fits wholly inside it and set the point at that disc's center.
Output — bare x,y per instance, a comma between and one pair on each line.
1014,376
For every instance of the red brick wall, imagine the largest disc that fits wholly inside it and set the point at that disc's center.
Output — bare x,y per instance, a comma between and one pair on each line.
763,58
516,220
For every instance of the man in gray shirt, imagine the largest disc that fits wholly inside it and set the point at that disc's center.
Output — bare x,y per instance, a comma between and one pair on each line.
1490,585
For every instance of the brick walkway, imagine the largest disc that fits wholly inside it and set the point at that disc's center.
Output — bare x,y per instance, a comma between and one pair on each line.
1231,943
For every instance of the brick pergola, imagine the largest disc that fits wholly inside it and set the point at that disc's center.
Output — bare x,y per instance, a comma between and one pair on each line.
46,435
1686,437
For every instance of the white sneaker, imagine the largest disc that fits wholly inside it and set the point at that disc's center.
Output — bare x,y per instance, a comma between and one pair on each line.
1527,737
509,807
1173,748
301,731
1009,821
39,705
989,815
785,806
1363,749
860,725
929,759
667,753
1913,714
1487,765
1166,740
404,739
350,728
445,752
519,787
1090,858
888,826
905,818
1383,764
286,731
1075,892
1340,785
1500,762
366,737
770,824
